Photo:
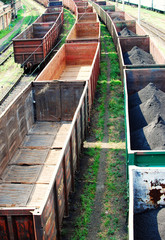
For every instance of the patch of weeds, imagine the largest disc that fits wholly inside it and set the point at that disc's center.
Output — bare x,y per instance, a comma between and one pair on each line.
116,192
69,20
87,198
113,216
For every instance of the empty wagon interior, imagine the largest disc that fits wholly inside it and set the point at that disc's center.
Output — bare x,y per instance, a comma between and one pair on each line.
40,29
37,30
85,31
32,138
72,62
87,17
84,10
48,17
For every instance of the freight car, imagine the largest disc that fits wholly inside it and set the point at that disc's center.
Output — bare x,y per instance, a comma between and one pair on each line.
32,45
38,157
135,80
75,62
81,32
42,133
135,43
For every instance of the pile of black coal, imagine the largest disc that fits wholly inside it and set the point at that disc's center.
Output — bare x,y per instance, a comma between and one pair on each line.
137,56
147,118
150,224
117,19
144,94
126,32
151,137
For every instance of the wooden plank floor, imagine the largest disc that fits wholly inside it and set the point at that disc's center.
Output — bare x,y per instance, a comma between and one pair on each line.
26,179
76,72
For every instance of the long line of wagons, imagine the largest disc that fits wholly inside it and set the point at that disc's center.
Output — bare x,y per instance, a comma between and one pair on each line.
142,68
43,129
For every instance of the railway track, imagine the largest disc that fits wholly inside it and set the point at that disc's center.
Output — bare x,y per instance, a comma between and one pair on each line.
6,53
8,94
156,32
13,83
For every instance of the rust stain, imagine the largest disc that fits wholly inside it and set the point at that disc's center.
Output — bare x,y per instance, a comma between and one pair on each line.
162,185
155,183
155,195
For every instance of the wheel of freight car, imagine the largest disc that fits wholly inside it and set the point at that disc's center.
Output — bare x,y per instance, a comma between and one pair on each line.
28,67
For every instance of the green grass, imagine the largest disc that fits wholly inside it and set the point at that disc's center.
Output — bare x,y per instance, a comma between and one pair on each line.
26,21
115,197
4,32
69,20
88,195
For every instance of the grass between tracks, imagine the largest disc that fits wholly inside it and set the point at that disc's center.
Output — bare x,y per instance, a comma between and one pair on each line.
114,211
69,20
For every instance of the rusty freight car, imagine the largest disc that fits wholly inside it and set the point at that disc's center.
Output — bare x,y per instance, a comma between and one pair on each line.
41,135
87,32
75,62
32,45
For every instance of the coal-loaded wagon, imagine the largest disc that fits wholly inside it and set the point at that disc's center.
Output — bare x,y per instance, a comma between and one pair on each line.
127,29
32,45
145,147
41,136
139,52
145,116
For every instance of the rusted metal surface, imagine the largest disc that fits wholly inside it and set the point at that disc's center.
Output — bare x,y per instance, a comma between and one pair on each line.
149,188
56,101
85,10
14,123
132,25
44,183
75,62
145,43
146,196
71,5
88,32
81,3
32,46
87,17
